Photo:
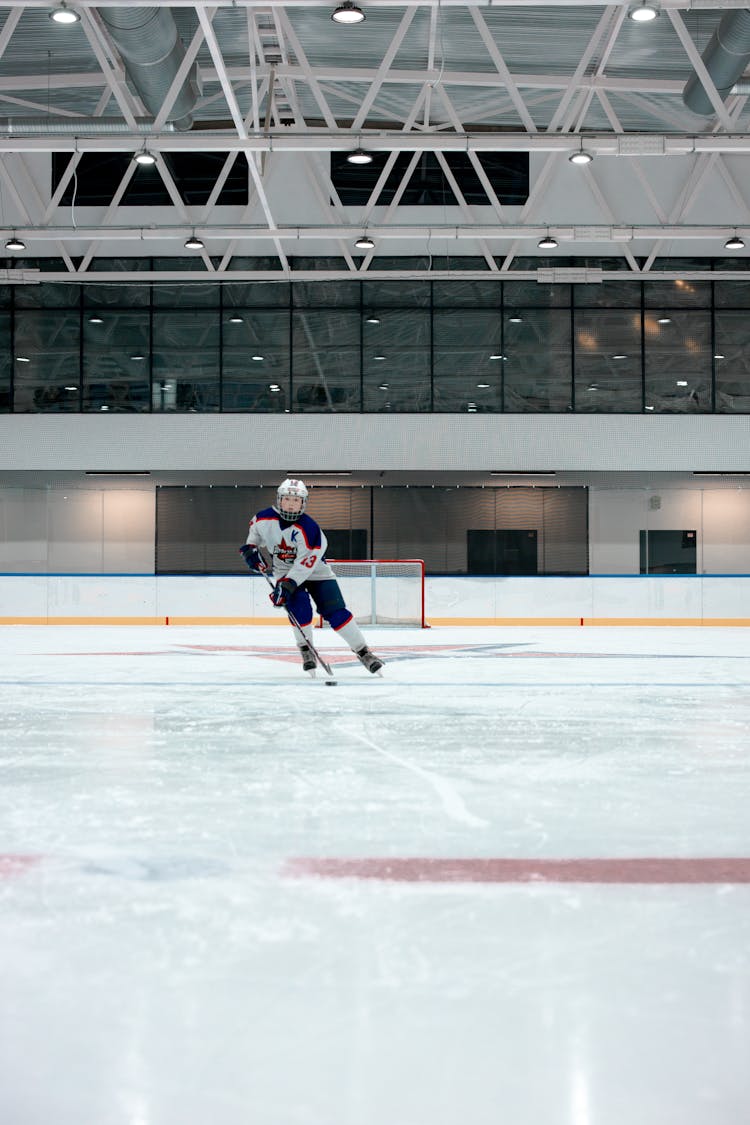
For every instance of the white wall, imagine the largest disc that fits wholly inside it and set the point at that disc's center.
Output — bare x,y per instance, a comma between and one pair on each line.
82,530
112,531
366,442
720,516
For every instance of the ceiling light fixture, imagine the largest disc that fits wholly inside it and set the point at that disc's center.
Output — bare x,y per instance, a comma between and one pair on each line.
194,243
14,243
257,358
64,15
664,320
372,320
548,242
364,242
348,13
144,157
581,156
734,243
643,12
95,320
516,318
359,156
235,320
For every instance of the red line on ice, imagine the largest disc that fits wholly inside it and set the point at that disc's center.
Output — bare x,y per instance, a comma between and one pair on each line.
489,870
17,864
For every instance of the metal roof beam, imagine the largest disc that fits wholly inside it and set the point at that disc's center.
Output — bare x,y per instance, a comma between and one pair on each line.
603,233
28,139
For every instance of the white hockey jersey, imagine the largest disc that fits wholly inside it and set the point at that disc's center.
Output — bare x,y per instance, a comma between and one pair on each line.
296,549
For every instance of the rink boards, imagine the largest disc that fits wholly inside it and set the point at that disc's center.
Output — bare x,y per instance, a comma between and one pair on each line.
76,599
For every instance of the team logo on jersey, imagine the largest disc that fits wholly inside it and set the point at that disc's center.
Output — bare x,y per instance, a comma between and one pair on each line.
285,552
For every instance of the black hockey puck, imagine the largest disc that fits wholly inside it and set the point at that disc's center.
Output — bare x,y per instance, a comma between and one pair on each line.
330,683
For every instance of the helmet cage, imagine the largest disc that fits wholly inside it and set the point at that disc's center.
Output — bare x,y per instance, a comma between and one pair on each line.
290,488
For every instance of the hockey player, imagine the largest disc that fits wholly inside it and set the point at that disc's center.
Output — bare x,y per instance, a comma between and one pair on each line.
296,547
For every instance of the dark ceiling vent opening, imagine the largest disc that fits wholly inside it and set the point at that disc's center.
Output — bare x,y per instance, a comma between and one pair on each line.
507,172
194,173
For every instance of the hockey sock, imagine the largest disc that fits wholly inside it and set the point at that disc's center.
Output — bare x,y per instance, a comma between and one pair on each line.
303,635
352,634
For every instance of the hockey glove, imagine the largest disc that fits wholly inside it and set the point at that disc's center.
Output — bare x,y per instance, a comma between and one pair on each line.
283,591
252,557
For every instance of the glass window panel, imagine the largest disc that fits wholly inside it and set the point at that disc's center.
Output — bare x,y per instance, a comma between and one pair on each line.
5,292
472,294
732,363
625,294
326,360
241,294
184,294
186,361
677,294
532,293
116,360
397,294
47,360
608,361
732,294
538,362
678,363
256,359
468,360
5,368
121,295
48,294
324,294
396,360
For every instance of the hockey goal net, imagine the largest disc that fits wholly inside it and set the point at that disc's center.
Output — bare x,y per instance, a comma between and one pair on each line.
382,591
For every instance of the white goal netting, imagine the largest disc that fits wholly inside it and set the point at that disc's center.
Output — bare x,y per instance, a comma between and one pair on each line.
383,591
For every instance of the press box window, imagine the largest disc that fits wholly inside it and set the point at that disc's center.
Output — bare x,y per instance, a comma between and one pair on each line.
668,552
502,552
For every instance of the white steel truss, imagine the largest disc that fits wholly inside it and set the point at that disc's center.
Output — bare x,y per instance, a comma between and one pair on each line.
293,88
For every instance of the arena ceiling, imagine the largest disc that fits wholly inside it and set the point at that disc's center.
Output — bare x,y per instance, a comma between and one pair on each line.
278,90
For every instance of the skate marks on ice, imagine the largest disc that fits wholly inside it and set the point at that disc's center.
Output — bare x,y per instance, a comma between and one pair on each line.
452,802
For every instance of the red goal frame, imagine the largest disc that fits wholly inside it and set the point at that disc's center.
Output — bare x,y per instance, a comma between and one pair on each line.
420,562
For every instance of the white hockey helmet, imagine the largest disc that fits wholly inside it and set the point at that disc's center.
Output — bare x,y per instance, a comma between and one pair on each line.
291,487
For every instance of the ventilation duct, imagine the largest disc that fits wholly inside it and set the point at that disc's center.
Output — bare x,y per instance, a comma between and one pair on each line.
725,59
152,50
75,127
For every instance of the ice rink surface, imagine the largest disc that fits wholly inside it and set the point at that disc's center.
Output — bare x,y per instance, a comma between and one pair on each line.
233,896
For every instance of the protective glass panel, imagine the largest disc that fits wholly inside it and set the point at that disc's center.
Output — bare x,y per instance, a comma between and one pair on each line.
47,361
396,360
676,294
608,361
5,364
116,360
678,363
326,371
468,360
732,362
255,358
538,374
186,361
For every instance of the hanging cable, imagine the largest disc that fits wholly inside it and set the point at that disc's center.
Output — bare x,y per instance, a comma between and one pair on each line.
75,189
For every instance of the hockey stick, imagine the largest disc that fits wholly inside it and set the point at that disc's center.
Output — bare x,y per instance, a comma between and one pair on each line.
295,623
